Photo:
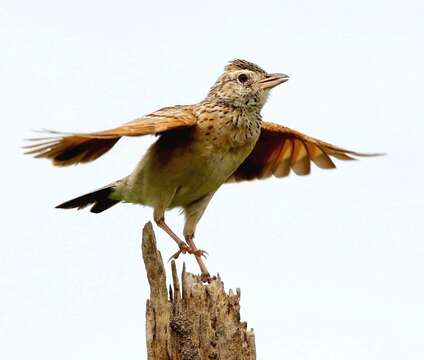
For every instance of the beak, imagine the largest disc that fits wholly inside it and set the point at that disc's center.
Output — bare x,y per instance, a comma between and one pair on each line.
272,80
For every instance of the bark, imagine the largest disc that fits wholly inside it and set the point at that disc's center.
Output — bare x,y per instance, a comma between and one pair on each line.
191,321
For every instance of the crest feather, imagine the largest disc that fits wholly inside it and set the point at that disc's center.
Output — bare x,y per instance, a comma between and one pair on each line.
240,64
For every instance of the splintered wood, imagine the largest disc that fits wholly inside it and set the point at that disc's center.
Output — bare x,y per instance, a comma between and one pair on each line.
194,321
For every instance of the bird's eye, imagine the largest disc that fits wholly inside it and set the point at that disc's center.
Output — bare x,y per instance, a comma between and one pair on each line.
242,78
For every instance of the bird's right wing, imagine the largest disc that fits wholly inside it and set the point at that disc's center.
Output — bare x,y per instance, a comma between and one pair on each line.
68,149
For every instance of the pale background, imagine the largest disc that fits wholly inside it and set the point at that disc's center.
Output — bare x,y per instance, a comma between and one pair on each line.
330,265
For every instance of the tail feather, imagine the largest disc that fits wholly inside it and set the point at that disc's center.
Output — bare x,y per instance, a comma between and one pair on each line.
100,199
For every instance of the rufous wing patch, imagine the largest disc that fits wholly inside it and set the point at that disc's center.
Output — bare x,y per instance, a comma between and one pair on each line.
280,149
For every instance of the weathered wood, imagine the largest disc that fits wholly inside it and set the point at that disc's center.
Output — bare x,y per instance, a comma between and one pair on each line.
193,321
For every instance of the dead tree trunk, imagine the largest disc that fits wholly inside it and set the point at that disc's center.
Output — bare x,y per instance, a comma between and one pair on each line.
194,321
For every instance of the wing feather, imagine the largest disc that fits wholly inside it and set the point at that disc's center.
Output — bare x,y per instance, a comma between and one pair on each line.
280,149
319,157
68,149
283,165
300,162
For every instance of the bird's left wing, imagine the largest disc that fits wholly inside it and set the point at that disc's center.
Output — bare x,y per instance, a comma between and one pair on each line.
280,149
68,149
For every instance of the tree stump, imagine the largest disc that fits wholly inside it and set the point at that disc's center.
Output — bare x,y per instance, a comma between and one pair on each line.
194,321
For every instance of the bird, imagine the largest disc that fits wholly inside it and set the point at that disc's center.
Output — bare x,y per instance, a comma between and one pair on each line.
199,147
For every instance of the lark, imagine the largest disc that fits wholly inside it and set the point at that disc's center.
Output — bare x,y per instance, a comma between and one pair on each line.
199,147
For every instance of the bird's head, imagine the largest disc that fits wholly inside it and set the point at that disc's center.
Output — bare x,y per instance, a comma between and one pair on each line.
244,85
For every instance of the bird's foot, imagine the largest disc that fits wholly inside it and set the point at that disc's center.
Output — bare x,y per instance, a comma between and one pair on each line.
185,249
198,252
206,278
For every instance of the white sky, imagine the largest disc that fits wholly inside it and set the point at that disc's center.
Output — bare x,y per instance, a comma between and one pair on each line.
330,265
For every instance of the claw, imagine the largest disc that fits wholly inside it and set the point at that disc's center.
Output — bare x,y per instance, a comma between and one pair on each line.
187,250
200,253
183,249
206,278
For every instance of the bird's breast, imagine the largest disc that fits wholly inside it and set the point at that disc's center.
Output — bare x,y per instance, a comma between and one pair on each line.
194,162
228,130
218,147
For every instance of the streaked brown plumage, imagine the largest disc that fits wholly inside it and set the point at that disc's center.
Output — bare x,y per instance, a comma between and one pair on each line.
200,147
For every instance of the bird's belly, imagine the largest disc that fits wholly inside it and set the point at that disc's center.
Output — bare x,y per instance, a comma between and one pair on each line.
204,177
186,176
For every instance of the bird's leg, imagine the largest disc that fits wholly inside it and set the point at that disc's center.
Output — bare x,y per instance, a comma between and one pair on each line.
159,216
181,244
193,213
184,247
205,276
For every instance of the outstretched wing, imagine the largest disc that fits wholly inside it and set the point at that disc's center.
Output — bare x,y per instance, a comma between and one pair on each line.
280,149
68,149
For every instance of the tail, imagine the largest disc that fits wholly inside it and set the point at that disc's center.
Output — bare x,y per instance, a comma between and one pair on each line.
100,199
